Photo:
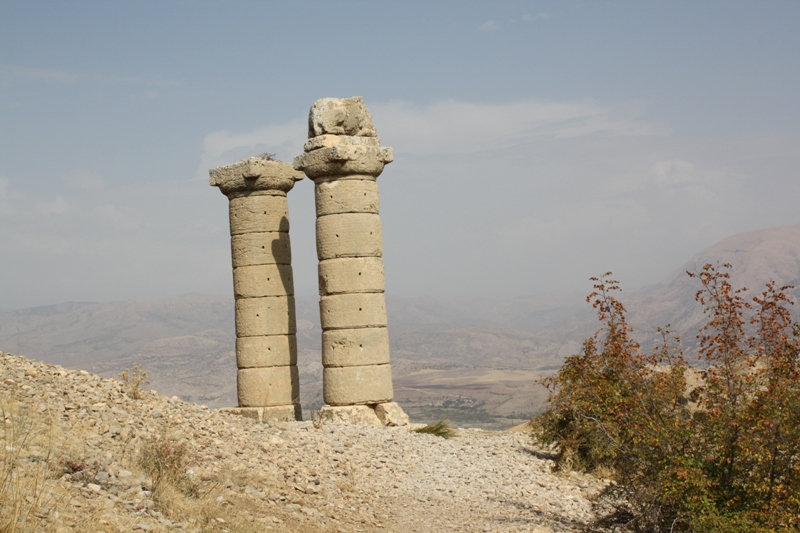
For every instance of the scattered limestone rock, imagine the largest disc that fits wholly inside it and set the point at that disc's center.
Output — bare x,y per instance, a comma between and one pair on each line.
390,414
285,476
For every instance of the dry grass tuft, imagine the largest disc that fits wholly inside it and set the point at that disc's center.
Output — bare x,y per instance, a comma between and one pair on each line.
442,428
134,378
28,499
36,451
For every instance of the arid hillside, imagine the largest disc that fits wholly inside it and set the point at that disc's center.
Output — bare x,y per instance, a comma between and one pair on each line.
90,455
186,343
476,362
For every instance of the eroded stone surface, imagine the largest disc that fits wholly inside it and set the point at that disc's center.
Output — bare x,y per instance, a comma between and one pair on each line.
329,141
267,415
361,415
274,315
353,310
266,350
347,196
255,173
261,249
351,274
357,162
340,116
282,413
390,414
254,281
253,413
268,386
349,235
355,347
258,213
354,385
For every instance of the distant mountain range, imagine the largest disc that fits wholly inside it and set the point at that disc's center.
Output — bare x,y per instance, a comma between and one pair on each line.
756,257
475,361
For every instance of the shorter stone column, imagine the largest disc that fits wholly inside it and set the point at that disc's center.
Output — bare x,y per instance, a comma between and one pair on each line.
344,158
266,346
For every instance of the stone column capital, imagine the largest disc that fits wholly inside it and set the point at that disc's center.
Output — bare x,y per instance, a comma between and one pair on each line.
342,141
344,160
254,174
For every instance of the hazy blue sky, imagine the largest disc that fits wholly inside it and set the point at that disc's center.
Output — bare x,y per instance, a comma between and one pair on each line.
536,143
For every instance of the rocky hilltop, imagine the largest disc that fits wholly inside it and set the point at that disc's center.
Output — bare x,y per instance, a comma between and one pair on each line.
90,454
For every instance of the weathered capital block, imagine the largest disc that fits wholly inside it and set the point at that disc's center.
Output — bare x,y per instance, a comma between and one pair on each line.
256,175
340,116
266,347
344,158
345,161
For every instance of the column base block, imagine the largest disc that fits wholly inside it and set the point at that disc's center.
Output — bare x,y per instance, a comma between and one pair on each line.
377,415
278,413
268,386
359,415
391,414
357,385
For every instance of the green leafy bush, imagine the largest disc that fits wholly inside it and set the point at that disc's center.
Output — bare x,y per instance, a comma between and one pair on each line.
723,457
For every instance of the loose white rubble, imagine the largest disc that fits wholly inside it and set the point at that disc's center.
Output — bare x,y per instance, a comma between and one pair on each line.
315,477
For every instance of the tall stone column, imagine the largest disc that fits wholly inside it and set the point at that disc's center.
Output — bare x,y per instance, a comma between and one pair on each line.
266,346
343,157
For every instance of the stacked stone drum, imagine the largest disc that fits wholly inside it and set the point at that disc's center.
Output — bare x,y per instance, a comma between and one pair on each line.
343,157
266,345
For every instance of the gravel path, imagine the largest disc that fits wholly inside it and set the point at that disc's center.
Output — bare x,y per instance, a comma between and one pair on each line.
283,477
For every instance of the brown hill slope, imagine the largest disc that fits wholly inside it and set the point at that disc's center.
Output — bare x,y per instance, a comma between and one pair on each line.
756,256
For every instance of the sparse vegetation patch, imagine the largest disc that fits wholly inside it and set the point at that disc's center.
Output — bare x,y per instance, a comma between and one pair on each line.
134,379
722,457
